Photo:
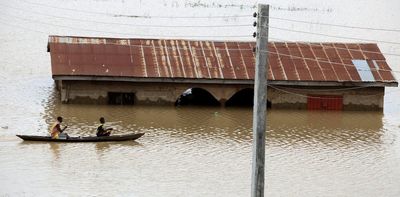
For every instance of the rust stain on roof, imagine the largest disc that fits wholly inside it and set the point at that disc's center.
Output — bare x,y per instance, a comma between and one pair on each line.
158,58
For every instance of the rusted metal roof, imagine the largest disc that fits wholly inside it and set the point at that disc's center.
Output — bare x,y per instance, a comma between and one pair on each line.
190,59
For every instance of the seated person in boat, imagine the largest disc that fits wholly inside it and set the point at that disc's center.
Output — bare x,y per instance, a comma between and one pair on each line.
56,132
101,131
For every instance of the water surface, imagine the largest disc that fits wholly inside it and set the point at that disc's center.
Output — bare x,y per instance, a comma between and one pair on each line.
189,151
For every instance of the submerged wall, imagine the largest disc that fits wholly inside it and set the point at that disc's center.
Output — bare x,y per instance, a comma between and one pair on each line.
96,92
295,97
356,98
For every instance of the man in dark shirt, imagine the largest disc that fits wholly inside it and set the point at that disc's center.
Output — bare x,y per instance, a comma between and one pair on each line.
101,131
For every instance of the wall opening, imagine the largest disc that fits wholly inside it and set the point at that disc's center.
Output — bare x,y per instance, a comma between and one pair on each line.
121,98
243,98
324,102
196,97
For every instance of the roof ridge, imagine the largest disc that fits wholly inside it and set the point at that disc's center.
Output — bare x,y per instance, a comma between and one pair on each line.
199,40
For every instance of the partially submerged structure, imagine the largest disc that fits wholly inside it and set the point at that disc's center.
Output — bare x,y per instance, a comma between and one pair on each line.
330,76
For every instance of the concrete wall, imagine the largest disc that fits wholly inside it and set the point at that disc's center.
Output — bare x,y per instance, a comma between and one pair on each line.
358,98
96,92
146,93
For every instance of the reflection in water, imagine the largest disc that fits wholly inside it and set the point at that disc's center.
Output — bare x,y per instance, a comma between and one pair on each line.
55,149
340,129
102,147
291,126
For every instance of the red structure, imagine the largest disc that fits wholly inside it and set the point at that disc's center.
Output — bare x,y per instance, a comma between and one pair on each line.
188,59
324,102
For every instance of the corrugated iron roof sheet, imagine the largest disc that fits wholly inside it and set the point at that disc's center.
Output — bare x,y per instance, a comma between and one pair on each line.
158,58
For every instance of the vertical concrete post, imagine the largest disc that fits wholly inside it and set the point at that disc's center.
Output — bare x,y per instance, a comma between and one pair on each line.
260,102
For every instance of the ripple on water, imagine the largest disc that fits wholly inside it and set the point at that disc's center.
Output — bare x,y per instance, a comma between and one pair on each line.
212,144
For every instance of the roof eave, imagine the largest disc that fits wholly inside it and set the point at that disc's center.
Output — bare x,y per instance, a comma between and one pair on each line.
337,83
225,81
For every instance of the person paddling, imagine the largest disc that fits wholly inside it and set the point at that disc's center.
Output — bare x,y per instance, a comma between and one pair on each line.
101,131
56,132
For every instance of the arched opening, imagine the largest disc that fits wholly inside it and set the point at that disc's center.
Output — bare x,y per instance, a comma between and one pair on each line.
243,98
196,97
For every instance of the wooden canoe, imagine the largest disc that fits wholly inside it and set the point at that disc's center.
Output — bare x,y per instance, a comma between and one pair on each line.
111,138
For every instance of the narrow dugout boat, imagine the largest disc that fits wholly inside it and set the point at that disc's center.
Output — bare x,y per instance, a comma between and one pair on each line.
126,137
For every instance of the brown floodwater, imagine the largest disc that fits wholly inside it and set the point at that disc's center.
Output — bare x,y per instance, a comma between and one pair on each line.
189,151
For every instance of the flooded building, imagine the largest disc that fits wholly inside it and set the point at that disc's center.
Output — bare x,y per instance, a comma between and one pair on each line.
327,76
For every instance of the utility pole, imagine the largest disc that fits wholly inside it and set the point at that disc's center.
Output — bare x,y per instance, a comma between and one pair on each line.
260,102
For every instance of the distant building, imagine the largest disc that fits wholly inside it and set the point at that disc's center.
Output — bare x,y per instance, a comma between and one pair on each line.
327,76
